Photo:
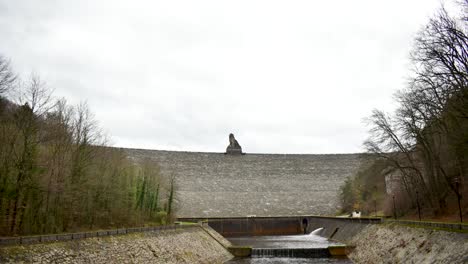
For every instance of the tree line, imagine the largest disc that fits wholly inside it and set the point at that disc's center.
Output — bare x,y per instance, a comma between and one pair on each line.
421,149
57,173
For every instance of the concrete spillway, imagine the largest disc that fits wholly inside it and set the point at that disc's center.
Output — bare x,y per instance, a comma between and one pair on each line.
290,253
287,249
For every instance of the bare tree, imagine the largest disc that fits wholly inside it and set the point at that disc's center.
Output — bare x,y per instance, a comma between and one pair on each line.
37,95
426,138
7,77
440,59
437,99
395,145
35,102
57,175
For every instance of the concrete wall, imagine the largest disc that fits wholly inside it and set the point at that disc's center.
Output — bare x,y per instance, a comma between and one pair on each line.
256,226
341,229
188,245
218,185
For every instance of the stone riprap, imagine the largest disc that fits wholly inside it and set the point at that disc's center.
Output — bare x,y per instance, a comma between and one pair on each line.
392,243
189,245
219,185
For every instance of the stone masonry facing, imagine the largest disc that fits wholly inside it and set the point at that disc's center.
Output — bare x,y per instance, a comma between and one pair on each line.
219,185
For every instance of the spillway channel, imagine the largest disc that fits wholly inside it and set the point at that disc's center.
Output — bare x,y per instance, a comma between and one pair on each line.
302,249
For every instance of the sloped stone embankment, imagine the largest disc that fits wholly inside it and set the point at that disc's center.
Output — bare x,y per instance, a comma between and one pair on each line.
391,243
189,245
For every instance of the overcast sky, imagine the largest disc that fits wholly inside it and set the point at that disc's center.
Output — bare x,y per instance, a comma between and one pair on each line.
283,76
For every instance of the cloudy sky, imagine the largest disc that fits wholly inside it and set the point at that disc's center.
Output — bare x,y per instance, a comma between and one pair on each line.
283,76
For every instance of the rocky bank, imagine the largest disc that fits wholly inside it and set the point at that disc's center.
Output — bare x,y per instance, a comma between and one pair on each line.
392,243
192,245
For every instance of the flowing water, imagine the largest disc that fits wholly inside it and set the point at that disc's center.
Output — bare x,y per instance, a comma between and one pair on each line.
302,249
289,260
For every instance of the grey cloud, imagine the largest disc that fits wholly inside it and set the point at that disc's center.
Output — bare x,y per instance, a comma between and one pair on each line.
294,77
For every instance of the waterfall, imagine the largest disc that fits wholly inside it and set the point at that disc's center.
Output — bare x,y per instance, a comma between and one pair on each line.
317,231
290,253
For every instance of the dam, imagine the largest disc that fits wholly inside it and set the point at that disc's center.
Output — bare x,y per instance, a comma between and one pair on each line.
223,185
246,209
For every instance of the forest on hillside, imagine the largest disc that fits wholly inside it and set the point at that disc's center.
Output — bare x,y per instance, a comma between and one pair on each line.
421,149
56,173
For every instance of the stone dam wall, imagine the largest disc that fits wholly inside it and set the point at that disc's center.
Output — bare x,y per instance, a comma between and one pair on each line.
219,185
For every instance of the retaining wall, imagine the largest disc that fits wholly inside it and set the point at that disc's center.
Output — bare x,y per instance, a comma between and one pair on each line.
339,228
334,227
252,226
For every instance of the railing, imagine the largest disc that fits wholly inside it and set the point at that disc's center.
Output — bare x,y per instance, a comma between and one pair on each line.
367,220
362,220
22,240
453,226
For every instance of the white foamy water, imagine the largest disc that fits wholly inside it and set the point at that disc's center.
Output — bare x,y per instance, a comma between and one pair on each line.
264,243
289,260
317,231
296,241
